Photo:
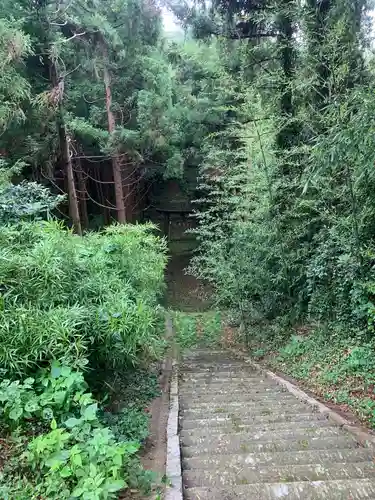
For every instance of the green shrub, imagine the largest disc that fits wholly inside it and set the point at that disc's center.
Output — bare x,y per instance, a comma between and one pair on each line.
68,298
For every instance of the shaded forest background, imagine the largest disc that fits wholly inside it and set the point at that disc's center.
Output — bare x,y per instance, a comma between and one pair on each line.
261,114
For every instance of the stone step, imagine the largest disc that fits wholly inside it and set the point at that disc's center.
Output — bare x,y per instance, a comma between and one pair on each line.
243,436
224,393
358,489
234,463
238,439
276,474
242,403
226,384
236,444
222,420
214,366
241,411
241,375
308,428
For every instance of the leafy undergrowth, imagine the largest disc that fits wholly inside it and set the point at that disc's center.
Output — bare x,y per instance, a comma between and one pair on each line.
55,445
338,368
72,311
58,443
197,329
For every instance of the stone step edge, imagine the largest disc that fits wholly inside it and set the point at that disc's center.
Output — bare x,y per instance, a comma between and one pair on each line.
173,469
202,458
201,492
363,437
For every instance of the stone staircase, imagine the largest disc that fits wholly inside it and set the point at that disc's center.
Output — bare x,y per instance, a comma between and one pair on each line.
242,436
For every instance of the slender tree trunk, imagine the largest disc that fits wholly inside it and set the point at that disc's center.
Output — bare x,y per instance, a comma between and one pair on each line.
57,95
287,135
72,193
316,24
116,165
82,198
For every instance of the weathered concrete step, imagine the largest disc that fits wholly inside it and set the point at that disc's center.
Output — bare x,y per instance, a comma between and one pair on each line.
226,384
222,375
233,426
218,383
210,359
275,474
243,402
237,439
258,432
223,393
214,366
238,462
222,420
240,411
232,444
359,489
222,372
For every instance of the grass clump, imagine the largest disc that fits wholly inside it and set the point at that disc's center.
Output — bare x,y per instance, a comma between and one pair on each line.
197,329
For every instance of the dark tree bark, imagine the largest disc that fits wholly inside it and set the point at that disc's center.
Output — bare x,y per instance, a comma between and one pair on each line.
82,188
116,163
286,137
56,99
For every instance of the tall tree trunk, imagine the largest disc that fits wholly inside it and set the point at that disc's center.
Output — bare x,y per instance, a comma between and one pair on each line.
287,135
56,97
72,193
316,24
82,195
116,164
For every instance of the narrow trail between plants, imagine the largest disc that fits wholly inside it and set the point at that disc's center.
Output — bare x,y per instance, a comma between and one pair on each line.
242,436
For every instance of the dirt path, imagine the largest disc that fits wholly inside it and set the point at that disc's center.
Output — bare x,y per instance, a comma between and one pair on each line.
185,293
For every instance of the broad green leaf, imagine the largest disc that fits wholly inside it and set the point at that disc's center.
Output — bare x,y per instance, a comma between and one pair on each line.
78,492
116,485
55,370
90,412
16,413
76,460
65,472
72,422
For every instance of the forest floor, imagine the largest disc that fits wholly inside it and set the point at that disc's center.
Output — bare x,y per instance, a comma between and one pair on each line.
340,371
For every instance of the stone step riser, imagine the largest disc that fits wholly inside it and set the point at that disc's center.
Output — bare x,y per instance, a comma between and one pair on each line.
222,395
233,463
272,427
276,474
234,446
243,404
222,420
225,385
258,434
238,439
198,367
220,376
239,412
319,490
